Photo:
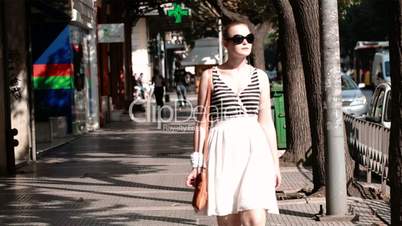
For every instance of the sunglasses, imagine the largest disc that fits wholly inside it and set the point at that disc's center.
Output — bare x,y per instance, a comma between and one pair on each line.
238,39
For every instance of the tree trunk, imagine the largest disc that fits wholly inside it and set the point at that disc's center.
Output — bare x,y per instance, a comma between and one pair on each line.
258,48
297,124
395,149
306,14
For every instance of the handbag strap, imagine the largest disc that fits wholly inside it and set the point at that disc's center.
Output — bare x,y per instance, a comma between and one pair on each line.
207,105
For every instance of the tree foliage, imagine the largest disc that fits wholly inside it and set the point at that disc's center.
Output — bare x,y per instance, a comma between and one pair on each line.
363,20
257,11
206,12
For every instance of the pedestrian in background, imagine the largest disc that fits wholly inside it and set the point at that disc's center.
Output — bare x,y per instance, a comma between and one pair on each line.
181,90
242,163
159,87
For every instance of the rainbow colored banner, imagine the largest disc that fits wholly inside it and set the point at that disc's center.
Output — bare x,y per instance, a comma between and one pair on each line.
53,68
52,76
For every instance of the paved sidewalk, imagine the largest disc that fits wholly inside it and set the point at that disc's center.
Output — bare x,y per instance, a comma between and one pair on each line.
131,174
56,142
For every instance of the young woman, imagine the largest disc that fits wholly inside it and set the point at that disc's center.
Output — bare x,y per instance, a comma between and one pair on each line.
243,167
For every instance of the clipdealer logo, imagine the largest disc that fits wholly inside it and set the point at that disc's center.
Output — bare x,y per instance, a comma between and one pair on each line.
172,119
168,118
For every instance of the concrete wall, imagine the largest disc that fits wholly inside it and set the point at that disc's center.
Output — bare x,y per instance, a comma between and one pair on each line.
139,45
84,13
93,110
15,21
93,117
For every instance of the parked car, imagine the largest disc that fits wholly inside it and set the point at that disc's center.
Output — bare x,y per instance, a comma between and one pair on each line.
353,100
380,105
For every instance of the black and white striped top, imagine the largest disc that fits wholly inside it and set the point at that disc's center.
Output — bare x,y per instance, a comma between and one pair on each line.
226,103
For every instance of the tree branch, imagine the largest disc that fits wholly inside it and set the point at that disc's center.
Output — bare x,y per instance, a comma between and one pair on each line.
213,3
212,8
235,16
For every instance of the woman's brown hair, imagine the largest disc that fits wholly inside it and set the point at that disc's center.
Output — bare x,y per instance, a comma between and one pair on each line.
225,31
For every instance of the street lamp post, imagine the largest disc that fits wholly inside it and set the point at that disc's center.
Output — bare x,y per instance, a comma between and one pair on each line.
335,153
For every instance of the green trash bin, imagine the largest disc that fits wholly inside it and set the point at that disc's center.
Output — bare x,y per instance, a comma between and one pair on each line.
278,113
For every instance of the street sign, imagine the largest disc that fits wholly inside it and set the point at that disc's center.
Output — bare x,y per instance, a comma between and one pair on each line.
177,11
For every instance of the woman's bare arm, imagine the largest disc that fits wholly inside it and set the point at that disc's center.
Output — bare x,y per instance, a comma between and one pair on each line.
201,126
265,119
202,113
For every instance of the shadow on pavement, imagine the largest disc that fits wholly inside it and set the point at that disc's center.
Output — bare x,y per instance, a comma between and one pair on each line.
102,179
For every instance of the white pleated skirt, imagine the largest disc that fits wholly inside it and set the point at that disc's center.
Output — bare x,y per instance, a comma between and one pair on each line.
241,171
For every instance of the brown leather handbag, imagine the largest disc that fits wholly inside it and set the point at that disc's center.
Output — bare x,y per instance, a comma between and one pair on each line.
200,197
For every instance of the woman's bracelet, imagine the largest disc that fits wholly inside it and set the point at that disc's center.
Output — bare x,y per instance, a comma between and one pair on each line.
197,159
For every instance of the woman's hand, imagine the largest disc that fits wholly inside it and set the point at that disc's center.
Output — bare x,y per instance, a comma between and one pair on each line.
278,180
190,181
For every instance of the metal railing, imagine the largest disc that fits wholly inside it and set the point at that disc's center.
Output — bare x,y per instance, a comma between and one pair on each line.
369,143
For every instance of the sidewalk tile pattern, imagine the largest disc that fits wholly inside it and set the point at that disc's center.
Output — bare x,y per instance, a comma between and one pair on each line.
133,174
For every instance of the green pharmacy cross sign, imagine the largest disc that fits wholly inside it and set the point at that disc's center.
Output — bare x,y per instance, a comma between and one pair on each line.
178,12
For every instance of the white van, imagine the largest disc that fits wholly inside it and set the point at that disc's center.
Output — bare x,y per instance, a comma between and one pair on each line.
380,106
380,71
